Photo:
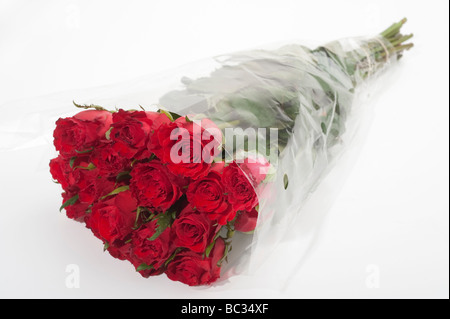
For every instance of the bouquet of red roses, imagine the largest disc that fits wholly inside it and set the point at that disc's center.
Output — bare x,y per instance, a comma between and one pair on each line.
147,198
238,149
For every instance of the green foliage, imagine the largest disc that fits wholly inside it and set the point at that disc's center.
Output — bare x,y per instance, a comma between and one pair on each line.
164,220
69,202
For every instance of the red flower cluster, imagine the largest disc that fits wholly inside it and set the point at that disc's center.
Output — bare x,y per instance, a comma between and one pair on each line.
151,188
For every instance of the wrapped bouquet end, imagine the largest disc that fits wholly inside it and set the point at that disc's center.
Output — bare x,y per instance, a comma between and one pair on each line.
234,151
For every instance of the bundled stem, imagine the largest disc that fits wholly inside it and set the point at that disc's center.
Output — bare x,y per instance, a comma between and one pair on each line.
392,44
397,39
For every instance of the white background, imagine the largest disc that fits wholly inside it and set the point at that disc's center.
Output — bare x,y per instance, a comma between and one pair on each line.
389,220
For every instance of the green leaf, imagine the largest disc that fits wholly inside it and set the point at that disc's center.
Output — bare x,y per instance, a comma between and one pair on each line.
69,202
85,151
324,128
285,181
188,120
149,217
117,191
72,161
172,256
217,234
105,246
247,105
143,215
144,266
225,254
108,134
169,115
90,167
91,106
175,115
211,245
209,248
164,220
138,213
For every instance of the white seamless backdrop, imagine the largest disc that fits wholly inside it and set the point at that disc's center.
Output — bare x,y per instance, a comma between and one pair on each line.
382,231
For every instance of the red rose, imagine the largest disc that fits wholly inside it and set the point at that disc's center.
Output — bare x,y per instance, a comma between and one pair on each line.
99,187
131,130
80,132
193,230
120,251
107,160
255,167
154,186
157,119
151,252
241,192
246,221
112,220
123,251
188,148
158,140
66,171
89,184
76,211
84,182
60,168
194,269
207,194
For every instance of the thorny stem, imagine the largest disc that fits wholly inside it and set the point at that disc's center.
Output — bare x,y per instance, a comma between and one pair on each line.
91,106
